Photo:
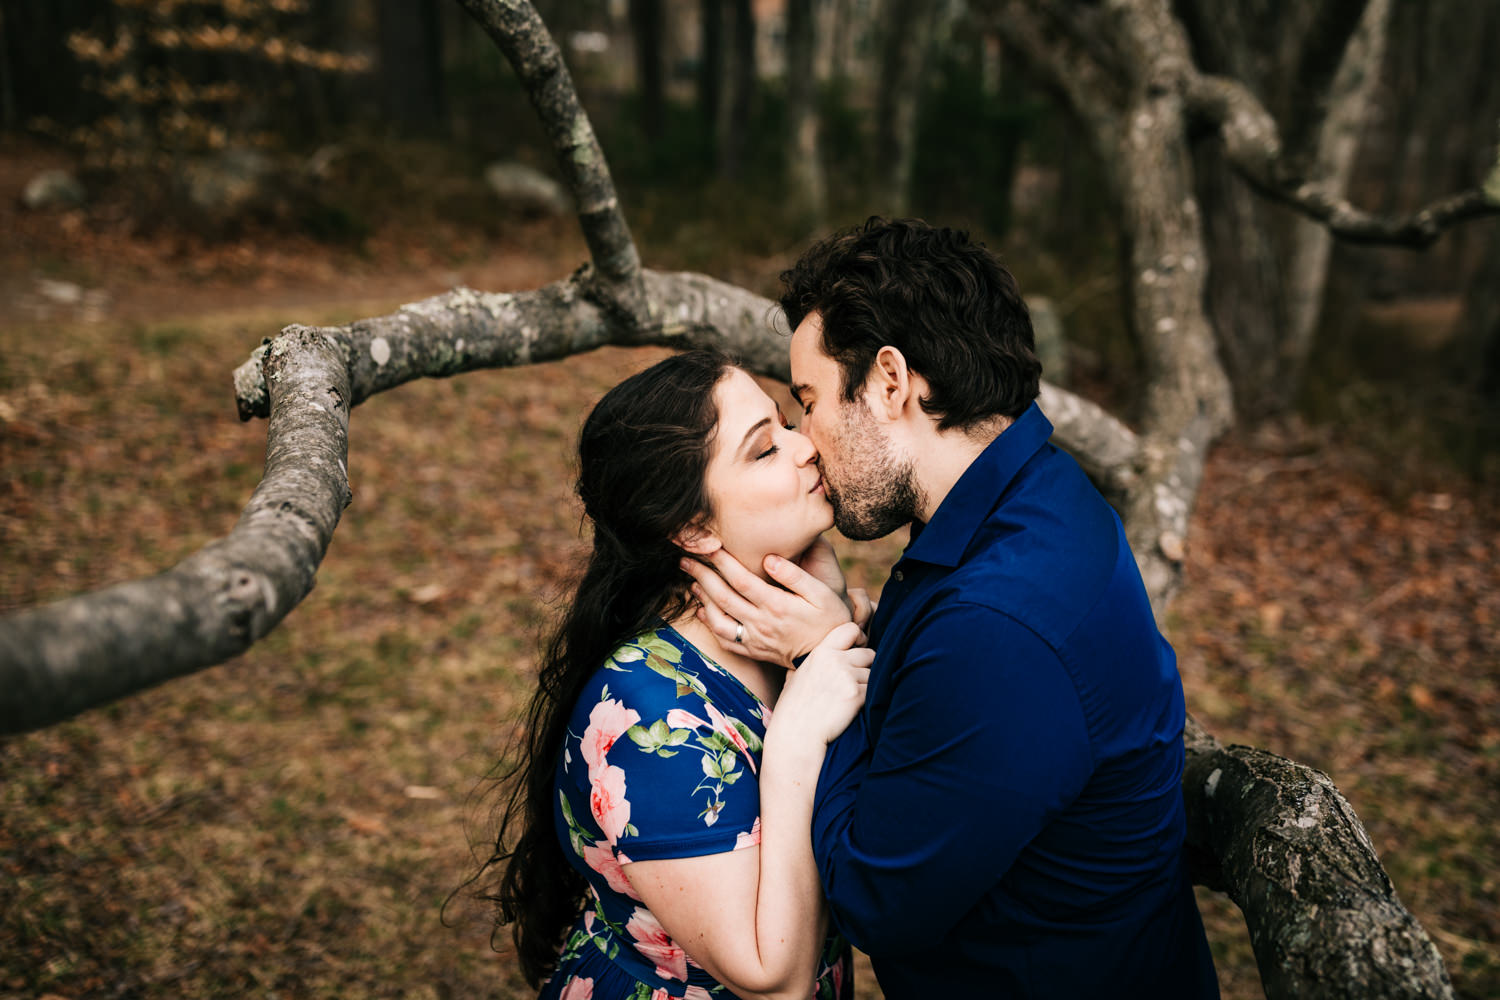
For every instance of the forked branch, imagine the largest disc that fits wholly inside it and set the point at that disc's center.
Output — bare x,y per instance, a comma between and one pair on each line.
1252,143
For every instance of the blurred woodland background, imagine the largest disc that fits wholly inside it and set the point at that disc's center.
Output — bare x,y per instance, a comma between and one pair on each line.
180,178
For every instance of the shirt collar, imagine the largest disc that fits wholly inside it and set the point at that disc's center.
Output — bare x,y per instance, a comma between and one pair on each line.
944,539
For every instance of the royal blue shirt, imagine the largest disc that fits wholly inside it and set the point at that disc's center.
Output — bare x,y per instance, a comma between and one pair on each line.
1004,818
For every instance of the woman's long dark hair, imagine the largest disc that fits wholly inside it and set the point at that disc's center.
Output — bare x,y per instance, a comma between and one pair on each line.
643,452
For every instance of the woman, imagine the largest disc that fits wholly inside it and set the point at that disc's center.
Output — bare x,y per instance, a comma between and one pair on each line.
664,811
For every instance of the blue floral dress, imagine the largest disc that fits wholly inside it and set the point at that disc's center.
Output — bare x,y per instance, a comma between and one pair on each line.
660,761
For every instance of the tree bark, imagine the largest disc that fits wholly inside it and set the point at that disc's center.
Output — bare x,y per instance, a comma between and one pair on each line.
64,657
805,184
1286,846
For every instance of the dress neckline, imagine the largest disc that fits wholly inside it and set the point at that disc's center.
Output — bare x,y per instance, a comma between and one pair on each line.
716,665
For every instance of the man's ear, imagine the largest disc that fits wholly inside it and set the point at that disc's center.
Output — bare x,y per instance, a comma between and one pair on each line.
889,386
697,539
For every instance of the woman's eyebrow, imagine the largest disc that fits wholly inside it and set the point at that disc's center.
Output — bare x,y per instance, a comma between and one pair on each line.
754,428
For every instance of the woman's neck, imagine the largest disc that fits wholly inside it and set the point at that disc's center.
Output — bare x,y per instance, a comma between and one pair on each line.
763,679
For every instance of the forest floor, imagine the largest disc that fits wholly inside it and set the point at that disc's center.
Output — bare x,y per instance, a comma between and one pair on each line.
291,823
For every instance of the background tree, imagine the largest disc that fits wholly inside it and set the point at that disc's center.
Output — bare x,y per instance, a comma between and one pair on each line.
734,131
411,65
805,182
648,30
1314,69
185,96
36,70
907,28
711,67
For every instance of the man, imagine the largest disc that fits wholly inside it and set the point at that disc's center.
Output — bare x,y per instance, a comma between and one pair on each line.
1005,817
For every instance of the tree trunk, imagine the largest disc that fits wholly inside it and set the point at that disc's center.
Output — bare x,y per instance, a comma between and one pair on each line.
1314,67
906,28
734,133
648,30
711,69
411,65
41,76
1477,338
836,40
805,185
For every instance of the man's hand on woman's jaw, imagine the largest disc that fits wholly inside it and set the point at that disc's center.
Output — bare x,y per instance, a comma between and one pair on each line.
822,563
782,621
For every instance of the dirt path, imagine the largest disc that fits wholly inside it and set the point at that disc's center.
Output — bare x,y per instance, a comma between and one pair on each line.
95,265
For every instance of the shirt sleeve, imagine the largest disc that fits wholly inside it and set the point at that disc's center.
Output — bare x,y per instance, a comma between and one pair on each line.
984,740
661,773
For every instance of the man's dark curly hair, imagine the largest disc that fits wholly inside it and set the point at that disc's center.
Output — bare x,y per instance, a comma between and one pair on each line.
944,301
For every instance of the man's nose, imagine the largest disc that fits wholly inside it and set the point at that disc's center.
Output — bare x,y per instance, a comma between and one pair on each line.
807,452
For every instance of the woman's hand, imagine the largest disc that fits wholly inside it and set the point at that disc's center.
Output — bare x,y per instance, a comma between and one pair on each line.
822,696
779,625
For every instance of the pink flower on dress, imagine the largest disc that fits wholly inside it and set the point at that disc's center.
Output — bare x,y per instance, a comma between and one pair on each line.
600,858
608,803
607,722
679,718
577,989
748,839
723,725
697,993
654,944
660,993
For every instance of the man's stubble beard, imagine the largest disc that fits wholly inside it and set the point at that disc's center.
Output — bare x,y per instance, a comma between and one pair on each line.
877,491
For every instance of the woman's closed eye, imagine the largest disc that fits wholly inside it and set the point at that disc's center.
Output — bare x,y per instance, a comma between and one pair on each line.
773,448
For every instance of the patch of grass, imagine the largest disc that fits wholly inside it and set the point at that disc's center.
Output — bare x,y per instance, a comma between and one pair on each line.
162,338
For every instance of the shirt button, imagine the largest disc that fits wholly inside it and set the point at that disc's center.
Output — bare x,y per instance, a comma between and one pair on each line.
900,575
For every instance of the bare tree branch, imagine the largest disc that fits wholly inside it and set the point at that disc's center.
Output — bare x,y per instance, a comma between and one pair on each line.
464,330
61,658
518,31
1285,845
1253,145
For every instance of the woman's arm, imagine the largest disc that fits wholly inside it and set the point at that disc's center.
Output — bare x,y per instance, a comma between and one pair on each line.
754,918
